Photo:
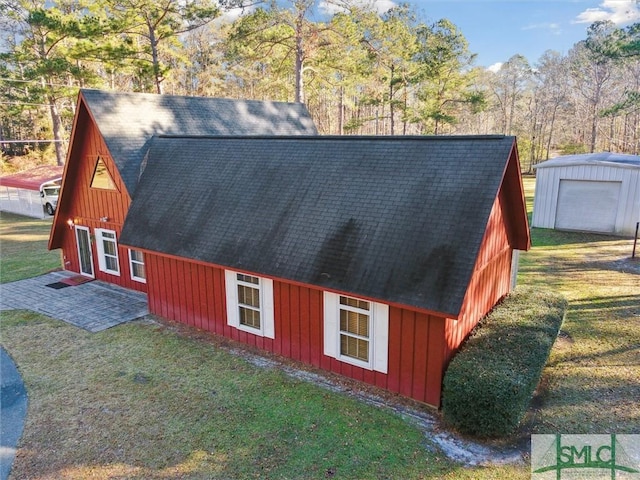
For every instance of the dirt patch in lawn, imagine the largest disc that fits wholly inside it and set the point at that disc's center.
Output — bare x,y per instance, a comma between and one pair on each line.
614,256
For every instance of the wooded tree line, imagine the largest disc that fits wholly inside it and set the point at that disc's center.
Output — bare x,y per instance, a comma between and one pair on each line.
359,72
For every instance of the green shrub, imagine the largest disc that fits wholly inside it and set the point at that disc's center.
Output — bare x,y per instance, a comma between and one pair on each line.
489,384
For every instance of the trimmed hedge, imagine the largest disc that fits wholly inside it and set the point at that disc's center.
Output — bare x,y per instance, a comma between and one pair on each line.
489,384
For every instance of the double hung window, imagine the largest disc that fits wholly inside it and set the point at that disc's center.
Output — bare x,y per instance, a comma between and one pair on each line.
248,300
356,331
250,303
136,266
107,247
355,328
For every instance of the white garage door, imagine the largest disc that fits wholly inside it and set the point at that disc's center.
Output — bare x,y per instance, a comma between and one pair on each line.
588,206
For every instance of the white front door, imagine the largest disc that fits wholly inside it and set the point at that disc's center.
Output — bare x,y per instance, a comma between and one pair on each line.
84,251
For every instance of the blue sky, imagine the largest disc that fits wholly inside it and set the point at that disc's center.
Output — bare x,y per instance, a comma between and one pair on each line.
498,29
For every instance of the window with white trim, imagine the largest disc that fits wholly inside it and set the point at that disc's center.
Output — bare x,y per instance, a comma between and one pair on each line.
356,331
250,303
136,266
101,177
107,247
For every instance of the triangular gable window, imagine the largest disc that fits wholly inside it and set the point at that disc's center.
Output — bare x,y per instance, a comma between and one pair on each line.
101,178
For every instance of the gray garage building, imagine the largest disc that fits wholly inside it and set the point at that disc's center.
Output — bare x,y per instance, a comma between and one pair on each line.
598,192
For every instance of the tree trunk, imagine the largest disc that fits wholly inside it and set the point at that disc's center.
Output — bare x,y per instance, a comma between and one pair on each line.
157,77
299,59
56,121
341,115
391,109
553,120
404,119
594,127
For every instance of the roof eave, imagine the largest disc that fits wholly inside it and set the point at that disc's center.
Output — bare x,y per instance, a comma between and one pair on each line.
404,306
54,235
512,178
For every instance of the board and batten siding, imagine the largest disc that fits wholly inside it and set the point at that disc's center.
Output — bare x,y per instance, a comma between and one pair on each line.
547,192
193,293
90,206
491,279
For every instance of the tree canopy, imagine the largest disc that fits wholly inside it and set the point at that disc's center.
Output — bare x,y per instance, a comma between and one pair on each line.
358,71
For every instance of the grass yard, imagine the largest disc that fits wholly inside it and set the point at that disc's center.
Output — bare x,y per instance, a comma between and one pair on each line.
156,400
592,380
24,247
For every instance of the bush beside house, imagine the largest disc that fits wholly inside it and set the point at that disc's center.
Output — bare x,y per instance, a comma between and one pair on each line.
489,384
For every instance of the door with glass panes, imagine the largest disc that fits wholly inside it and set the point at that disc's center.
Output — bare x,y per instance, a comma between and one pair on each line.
85,258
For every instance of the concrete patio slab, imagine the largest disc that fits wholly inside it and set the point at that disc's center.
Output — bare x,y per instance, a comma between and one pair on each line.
93,306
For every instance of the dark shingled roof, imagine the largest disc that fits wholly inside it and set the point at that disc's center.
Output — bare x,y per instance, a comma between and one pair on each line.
399,219
128,121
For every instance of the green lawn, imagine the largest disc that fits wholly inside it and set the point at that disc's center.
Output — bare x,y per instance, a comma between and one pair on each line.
152,399
24,247
591,382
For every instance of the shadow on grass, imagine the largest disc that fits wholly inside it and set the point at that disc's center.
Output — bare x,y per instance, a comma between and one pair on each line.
623,265
586,400
598,359
608,304
546,237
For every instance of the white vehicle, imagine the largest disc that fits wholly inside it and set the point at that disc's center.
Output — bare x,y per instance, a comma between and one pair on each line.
49,192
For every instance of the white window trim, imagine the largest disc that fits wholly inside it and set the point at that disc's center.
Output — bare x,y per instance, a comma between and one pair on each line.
78,229
131,270
378,334
267,320
102,264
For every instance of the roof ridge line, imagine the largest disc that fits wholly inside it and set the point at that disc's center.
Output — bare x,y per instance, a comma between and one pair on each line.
337,137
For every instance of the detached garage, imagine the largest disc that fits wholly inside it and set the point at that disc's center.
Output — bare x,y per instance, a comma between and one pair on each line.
597,192
21,192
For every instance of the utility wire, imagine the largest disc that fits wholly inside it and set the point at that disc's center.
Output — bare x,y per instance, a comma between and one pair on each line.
39,82
24,103
29,141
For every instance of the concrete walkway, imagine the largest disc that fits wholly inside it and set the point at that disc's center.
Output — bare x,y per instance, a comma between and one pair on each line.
93,306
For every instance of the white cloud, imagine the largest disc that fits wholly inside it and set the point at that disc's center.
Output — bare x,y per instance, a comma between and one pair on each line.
495,67
553,28
232,14
620,12
331,7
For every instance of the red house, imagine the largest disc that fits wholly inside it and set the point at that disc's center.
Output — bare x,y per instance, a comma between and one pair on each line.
107,153
371,257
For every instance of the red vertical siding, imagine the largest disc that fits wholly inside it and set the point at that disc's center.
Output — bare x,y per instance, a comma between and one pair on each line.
491,278
315,328
303,322
419,369
435,360
87,206
193,293
407,353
